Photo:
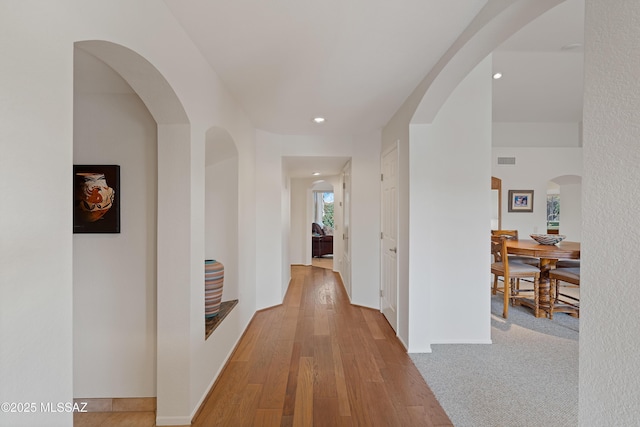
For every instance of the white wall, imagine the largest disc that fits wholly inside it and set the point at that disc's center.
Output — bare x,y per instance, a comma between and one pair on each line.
36,134
36,245
221,241
534,168
494,24
365,220
285,230
450,218
299,253
537,134
338,222
571,211
114,275
269,247
609,321
221,221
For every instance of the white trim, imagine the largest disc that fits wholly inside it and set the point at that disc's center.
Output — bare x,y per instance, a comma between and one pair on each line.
394,146
463,342
173,421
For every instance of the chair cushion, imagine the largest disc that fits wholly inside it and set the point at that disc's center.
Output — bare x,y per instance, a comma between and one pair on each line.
522,268
568,263
524,260
571,274
516,268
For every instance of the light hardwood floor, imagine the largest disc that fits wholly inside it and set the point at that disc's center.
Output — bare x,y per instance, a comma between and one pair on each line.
317,360
323,262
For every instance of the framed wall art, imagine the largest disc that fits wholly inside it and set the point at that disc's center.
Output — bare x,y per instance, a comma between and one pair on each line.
96,199
520,200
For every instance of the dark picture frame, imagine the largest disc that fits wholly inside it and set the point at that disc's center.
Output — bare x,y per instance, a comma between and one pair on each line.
96,198
520,200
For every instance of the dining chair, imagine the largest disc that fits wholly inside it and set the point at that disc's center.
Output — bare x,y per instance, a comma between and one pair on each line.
563,279
510,271
509,234
513,235
568,263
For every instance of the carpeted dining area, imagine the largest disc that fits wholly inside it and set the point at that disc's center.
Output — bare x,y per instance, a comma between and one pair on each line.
527,377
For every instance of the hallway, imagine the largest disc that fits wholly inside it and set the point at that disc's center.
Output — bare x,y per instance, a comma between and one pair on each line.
317,360
314,360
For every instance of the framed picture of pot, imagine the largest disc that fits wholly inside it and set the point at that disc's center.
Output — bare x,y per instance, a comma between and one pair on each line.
96,198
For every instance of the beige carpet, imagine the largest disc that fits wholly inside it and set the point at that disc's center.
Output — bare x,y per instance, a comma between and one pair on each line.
527,377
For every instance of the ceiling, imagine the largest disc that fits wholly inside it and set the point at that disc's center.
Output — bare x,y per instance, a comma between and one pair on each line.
542,66
303,167
355,62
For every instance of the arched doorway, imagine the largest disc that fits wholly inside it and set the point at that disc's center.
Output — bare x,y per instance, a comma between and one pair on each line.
122,84
564,206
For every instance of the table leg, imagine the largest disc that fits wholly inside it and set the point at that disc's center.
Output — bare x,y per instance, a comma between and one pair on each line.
544,287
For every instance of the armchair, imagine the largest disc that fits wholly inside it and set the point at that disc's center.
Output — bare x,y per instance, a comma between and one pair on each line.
322,244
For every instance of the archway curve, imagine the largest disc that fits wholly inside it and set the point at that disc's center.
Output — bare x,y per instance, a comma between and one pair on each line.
219,146
145,79
174,216
497,21
567,179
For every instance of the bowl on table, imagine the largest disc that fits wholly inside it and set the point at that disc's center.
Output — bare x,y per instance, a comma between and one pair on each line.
548,239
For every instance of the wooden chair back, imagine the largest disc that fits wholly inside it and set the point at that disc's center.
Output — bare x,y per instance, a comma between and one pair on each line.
509,234
499,252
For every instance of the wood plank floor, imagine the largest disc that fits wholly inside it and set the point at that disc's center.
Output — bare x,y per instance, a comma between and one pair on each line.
317,360
323,262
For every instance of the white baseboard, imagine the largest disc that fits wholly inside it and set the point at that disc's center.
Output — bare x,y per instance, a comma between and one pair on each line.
464,342
173,421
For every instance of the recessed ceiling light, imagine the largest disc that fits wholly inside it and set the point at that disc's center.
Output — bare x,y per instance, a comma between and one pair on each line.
319,120
497,76
315,173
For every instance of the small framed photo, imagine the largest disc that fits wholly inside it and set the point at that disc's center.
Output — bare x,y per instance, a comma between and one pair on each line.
520,200
96,199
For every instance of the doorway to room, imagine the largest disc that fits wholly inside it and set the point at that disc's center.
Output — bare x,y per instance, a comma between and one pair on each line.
304,178
322,228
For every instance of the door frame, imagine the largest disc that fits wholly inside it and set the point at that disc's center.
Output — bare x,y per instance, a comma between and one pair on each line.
395,146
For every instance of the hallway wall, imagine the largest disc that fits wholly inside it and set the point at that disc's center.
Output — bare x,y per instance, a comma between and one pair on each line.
450,219
36,249
609,295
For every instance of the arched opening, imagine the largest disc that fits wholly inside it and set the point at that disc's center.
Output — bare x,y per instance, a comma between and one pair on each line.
449,128
221,214
131,311
564,206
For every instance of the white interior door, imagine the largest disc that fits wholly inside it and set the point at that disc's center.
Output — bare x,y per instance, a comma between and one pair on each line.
346,228
389,235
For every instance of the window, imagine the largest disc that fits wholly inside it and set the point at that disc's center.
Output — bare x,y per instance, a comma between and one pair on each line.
323,208
553,212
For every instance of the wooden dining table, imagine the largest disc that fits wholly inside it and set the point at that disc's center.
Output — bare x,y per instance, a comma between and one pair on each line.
548,256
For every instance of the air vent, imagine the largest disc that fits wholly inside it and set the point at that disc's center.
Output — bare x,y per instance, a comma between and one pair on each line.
506,160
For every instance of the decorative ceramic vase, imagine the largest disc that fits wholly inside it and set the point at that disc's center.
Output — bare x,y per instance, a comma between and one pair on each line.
94,197
213,281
